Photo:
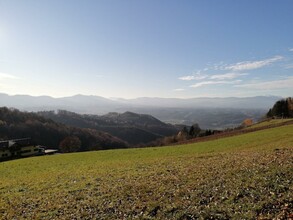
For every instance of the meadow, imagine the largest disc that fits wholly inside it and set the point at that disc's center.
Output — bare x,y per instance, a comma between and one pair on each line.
247,176
271,123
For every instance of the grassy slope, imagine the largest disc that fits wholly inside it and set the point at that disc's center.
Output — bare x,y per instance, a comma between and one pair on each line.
272,122
245,176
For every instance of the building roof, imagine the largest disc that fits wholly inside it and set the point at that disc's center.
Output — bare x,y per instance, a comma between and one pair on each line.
50,151
19,142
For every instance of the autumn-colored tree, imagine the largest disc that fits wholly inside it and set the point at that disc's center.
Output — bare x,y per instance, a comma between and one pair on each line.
247,122
70,144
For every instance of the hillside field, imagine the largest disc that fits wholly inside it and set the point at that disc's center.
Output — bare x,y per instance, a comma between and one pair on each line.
270,123
247,176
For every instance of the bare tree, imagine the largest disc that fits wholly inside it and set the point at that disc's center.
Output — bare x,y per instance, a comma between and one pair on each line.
70,144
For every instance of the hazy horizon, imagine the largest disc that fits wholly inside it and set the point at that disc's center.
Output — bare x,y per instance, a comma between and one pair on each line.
131,49
142,97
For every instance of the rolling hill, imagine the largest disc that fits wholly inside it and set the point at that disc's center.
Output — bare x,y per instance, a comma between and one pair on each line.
15,124
131,127
247,176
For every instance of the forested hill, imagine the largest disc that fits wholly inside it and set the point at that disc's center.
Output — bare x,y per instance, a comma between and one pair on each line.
282,108
16,124
130,127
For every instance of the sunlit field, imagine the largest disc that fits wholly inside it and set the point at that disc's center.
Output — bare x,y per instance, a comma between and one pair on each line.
270,122
247,176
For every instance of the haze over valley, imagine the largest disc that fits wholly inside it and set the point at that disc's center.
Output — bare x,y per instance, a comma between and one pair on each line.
213,113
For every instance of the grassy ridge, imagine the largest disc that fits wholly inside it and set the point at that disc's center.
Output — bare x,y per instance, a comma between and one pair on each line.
271,122
245,176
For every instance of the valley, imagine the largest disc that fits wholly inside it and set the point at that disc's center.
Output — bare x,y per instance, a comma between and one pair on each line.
209,113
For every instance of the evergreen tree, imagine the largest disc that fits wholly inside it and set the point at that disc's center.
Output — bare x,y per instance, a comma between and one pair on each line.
194,130
282,108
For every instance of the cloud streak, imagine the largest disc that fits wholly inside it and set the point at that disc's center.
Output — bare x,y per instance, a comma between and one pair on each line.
233,75
205,83
269,85
251,65
224,76
197,76
179,90
227,76
187,78
7,76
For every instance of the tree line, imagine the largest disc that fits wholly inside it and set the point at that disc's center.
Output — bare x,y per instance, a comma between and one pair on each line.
15,124
282,109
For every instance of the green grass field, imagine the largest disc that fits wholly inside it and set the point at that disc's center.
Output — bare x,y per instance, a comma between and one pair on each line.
271,122
241,177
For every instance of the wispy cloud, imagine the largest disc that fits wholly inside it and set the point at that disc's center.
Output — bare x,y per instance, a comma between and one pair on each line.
5,81
233,75
269,85
7,76
204,83
291,49
187,78
250,65
179,90
214,77
197,76
227,76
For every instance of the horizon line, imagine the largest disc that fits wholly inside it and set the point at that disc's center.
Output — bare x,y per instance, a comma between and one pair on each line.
142,97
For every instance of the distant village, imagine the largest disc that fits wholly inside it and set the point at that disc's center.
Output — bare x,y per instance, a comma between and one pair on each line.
19,148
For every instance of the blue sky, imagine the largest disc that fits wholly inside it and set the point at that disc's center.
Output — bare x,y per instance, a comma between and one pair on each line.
146,48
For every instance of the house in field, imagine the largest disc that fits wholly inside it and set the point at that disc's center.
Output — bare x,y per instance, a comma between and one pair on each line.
18,148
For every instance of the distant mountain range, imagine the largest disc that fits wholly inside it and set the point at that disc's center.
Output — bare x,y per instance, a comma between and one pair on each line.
100,105
257,102
214,113
78,103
